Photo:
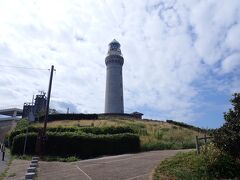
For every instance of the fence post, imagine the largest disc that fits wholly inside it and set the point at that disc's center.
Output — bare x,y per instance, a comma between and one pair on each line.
3,152
197,145
205,138
25,142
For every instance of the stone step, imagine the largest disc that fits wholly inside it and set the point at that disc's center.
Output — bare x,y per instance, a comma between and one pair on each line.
31,169
33,165
35,158
34,161
29,175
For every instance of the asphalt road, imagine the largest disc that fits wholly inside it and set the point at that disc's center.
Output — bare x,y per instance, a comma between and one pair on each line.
123,167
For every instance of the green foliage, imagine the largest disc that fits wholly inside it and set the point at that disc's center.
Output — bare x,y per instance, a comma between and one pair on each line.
138,128
18,143
90,145
158,134
210,164
181,124
81,145
18,131
61,159
54,117
22,124
107,130
6,140
92,130
162,145
227,137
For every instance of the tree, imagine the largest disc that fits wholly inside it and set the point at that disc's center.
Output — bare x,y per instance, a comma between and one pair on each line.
227,138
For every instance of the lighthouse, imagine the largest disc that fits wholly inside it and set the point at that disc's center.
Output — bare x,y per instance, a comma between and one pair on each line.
114,81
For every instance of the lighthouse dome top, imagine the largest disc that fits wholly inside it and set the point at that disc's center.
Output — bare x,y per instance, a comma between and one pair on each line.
114,48
114,41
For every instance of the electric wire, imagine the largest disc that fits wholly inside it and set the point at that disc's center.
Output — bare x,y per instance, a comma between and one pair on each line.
22,67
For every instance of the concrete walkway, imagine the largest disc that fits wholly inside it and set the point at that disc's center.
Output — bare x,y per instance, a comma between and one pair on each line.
3,164
123,167
17,170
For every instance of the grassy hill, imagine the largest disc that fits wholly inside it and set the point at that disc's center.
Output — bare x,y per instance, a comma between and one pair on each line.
154,135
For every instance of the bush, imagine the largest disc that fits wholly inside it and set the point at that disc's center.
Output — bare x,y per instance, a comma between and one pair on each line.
227,138
53,117
22,124
150,146
182,124
107,130
92,130
210,164
6,140
89,145
18,131
18,143
225,167
81,145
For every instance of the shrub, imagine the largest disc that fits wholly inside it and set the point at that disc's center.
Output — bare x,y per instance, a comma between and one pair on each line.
219,164
6,140
22,124
53,117
210,164
89,145
227,137
80,145
18,143
18,131
182,124
224,166
79,130
107,130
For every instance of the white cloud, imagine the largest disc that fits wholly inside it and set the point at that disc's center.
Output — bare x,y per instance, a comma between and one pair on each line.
231,63
170,47
232,40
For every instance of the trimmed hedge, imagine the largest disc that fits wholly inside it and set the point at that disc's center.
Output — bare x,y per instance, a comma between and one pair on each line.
92,130
53,117
21,131
81,145
107,130
18,143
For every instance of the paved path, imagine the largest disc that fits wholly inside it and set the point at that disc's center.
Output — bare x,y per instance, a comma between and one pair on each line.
3,164
17,170
123,167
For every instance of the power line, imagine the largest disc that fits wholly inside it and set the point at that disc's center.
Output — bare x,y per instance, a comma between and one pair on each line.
21,67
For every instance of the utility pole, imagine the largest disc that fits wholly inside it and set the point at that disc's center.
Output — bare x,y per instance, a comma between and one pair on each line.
47,109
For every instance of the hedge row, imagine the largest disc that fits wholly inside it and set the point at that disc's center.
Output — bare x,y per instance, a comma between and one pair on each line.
18,143
53,117
186,126
107,130
92,130
80,145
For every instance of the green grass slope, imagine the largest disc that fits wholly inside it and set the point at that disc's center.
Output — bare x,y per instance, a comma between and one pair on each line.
154,135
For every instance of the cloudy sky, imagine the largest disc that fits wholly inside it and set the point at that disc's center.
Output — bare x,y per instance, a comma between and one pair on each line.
182,58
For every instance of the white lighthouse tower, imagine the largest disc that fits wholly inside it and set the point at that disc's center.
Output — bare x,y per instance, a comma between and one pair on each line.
114,83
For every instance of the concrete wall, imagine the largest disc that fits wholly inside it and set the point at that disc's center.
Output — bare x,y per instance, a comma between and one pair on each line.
114,88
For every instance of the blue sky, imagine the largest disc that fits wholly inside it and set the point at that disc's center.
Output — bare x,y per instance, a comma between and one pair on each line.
182,58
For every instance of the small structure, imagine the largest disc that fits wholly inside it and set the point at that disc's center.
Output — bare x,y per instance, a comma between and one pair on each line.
36,108
137,115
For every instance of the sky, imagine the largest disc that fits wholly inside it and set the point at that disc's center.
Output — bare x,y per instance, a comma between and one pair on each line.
181,58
